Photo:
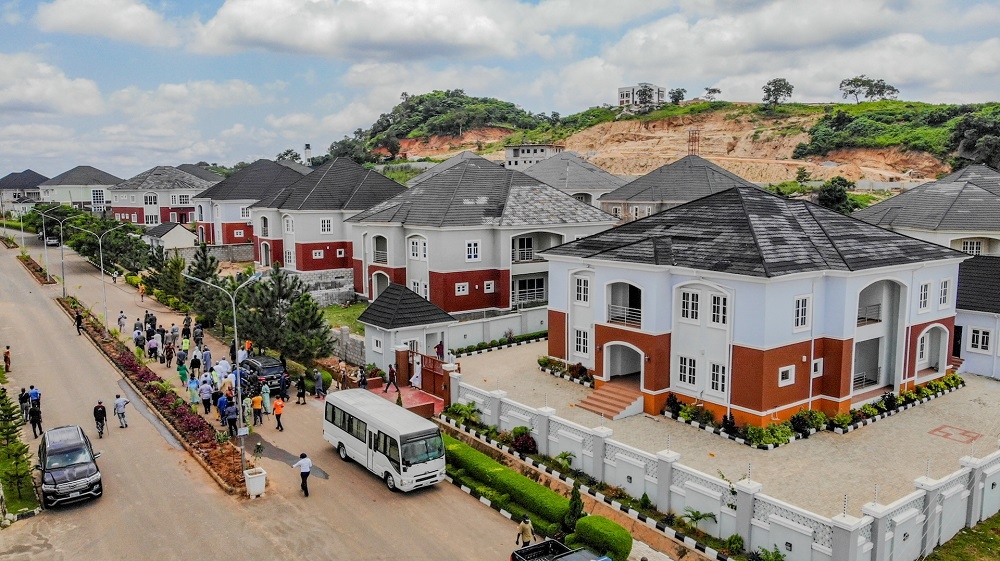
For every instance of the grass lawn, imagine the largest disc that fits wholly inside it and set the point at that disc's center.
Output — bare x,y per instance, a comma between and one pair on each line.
981,543
15,504
337,316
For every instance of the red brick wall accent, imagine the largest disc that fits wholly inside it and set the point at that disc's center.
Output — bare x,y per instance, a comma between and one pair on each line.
442,290
126,212
838,362
396,275
209,232
656,370
304,260
359,277
166,210
229,230
557,334
913,333
755,376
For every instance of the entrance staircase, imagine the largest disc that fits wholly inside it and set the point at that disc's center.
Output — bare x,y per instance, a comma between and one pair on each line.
614,401
955,362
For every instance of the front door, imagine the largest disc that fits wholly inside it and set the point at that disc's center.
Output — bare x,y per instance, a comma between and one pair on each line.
956,346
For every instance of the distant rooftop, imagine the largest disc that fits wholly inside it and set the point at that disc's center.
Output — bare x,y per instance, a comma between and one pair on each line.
83,175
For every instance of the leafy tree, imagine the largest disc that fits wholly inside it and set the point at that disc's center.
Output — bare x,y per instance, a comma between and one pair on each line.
776,91
269,303
879,89
676,95
122,247
355,148
391,144
644,95
171,279
833,195
10,423
203,265
802,175
711,93
308,335
18,475
575,510
289,154
869,88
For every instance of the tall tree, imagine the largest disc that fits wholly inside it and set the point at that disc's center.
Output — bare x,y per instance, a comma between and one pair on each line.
18,473
676,95
10,423
869,88
171,278
711,93
644,95
268,303
307,334
776,90
203,265
289,154
833,195
155,262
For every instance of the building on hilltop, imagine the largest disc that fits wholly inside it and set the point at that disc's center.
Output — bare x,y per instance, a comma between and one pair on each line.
83,187
155,196
575,176
629,95
522,155
751,304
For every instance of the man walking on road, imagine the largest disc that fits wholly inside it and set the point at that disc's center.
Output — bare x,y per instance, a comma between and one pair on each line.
257,404
6,359
392,379
79,322
305,466
24,400
232,414
279,406
35,395
122,320
120,403
35,418
205,393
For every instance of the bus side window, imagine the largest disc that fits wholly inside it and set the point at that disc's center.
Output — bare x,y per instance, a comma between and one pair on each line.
393,454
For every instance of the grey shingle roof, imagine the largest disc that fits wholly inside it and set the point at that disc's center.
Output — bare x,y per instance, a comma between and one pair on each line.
84,175
254,182
446,165
26,179
399,307
687,179
198,171
476,192
748,231
163,177
967,200
977,284
292,164
160,230
569,172
338,184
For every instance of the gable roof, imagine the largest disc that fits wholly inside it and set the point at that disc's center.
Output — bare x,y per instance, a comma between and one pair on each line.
476,192
26,179
254,182
338,184
397,307
748,231
161,230
301,168
198,171
968,199
687,179
569,172
446,165
162,178
977,284
84,175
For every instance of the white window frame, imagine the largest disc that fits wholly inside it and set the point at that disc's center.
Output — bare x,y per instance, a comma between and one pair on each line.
690,304
325,225
317,253
944,293
922,348
289,257
782,372
426,290
184,199
489,287
97,198
377,345
817,368
118,216
245,212
423,250
687,370
802,313
341,252
135,218
980,340
719,310
289,223
924,297
461,289
472,250
972,247
718,379
415,248
151,219
131,198
581,342
173,200
616,211
582,290
415,286
238,233
147,197
173,217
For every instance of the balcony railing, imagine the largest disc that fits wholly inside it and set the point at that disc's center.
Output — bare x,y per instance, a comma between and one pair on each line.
264,232
869,314
864,380
381,256
623,315
530,295
519,255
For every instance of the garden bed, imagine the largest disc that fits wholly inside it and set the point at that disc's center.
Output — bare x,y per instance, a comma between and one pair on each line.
856,424
502,343
35,269
576,373
9,242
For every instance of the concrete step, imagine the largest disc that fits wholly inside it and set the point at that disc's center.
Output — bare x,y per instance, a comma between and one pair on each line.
613,401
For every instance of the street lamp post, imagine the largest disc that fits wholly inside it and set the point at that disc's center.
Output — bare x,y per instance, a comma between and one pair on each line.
45,252
100,249
239,383
62,251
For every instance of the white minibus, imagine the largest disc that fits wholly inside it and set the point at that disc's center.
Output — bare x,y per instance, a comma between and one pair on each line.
401,447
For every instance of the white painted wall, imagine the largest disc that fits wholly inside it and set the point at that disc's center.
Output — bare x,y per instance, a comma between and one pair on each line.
979,362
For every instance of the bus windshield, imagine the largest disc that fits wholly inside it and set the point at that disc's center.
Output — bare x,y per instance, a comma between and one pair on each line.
423,450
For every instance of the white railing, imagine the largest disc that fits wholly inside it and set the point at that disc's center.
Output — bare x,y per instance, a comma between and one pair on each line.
682,474
862,380
869,314
531,295
623,315
519,255
381,256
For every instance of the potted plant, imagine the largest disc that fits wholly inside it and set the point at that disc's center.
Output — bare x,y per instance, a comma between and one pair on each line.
256,477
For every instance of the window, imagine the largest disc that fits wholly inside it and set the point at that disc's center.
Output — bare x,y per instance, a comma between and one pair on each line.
923,295
817,368
414,248
263,226
116,198
149,199
118,216
649,210
582,346
201,214
472,250
347,422
686,370
185,199
131,198
173,217
151,219
489,287
689,305
289,225
415,287
719,305
718,381
184,218
461,289
173,199
922,348
943,293
325,225
972,247
97,199
426,293
317,254
376,344
979,340
238,233
801,313
387,446
340,252
616,211
786,376
582,290
423,249
289,257
245,212
135,217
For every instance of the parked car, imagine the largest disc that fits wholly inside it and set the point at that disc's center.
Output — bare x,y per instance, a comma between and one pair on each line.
266,369
552,550
69,467
52,241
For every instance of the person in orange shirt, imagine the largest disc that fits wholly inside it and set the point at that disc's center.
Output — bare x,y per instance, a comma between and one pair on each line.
248,345
257,404
278,405
142,292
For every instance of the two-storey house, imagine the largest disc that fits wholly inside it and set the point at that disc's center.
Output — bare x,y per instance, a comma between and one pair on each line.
575,176
960,211
223,210
467,238
747,303
83,187
629,95
304,225
155,196
523,155
20,186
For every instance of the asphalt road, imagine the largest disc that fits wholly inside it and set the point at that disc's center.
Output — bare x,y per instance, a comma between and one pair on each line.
161,505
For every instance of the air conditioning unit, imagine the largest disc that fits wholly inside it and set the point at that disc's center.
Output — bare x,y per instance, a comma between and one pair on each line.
249,222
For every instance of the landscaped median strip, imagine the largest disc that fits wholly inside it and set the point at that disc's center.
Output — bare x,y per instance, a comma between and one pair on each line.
498,347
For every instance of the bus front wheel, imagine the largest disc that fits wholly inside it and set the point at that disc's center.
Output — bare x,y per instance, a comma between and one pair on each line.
342,452
390,482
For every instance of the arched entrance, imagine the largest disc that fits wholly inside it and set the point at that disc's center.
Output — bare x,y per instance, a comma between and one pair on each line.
623,361
380,282
201,234
932,352
265,254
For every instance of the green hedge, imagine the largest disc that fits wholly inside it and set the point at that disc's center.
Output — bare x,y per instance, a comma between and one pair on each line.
603,536
523,496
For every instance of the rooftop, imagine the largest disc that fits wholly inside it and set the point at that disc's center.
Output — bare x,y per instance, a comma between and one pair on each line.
83,175
445,165
977,284
338,184
254,182
687,179
26,179
569,172
162,178
397,307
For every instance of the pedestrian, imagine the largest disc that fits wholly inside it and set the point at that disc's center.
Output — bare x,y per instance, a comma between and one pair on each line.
175,333
246,409
205,393
35,396
138,325
6,359
24,400
153,348
199,335
241,355
232,414
343,375
182,357
142,292
187,320
100,417
265,394
185,344
79,323
439,349
122,321
392,379
120,403
232,351
278,407
300,394
362,379
35,418
305,466
206,357
168,354
525,532
257,404
318,383
182,371
193,385
140,341
283,384
220,406
114,276
215,376
195,363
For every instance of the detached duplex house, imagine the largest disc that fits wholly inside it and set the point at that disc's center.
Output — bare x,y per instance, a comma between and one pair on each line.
223,210
575,176
20,186
468,238
751,304
82,187
304,225
155,196
960,211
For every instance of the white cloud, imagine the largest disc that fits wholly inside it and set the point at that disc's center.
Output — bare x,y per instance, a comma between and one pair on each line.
124,20
176,105
29,85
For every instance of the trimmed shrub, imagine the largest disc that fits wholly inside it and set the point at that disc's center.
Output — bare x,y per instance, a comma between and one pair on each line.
481,346
602,536
842,420
494,343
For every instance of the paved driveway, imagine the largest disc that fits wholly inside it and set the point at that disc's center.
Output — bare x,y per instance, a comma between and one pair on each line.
814,474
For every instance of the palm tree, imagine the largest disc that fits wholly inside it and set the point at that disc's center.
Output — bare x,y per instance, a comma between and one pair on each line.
694,517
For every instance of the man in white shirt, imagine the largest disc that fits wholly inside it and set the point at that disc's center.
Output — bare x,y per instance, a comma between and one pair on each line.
223,368
305,466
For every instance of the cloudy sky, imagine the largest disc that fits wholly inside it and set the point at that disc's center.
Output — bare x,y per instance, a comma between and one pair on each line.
125,85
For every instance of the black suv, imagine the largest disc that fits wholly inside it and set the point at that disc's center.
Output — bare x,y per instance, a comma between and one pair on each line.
69,467
265,368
